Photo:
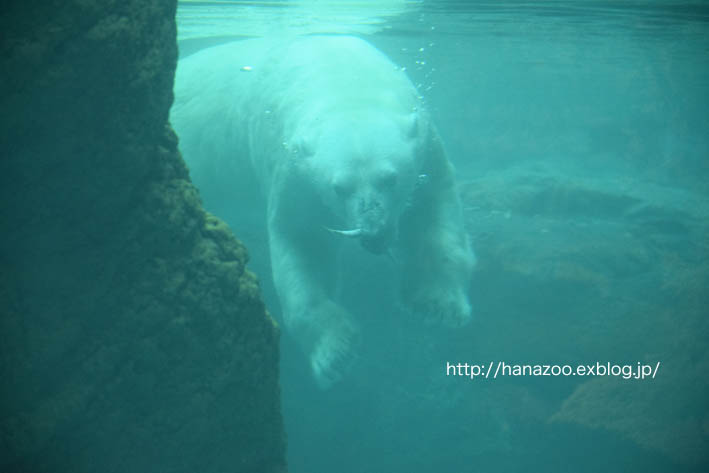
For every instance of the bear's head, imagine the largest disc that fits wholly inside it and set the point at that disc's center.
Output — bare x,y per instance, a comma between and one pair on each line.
365,167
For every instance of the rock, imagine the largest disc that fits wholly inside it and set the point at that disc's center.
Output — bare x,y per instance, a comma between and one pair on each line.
608,270
133,336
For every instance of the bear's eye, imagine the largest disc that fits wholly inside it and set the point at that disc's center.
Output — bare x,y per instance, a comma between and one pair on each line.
341,189
388,180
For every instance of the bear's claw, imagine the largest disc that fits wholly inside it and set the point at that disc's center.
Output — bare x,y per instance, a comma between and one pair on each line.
333,356
450,310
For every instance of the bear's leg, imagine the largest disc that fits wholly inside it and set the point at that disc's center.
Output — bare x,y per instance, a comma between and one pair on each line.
304,274
436,259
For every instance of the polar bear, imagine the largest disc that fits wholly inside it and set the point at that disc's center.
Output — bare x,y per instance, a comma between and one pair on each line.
330,140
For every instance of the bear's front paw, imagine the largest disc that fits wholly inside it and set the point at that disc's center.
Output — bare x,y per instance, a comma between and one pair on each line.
447,308
334,354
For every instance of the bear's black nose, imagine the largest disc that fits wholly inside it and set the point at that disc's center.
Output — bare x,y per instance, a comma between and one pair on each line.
376,244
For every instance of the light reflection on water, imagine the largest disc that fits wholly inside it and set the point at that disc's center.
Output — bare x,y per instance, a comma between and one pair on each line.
244,18
198,18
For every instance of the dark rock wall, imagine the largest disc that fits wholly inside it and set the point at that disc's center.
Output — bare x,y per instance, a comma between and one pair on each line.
131,336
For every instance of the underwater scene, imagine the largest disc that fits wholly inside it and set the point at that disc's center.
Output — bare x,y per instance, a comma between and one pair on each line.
481,226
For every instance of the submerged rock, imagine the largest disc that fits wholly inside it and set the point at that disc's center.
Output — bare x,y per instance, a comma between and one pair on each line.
579,270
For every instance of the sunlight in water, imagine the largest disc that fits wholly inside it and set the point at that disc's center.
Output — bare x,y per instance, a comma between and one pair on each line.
198,19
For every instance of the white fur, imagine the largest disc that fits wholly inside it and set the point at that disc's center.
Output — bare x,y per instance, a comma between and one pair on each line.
335,136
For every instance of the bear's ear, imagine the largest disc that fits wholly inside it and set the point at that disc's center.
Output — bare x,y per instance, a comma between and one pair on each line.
412,125
304,147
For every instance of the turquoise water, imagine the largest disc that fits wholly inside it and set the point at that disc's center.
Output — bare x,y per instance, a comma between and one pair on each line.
580,135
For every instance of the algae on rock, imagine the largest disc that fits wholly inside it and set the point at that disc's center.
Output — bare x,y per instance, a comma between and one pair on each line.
133,337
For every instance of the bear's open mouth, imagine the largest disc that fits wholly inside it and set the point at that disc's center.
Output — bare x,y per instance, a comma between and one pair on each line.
377,243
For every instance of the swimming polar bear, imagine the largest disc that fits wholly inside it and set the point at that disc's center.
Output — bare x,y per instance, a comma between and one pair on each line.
337,140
